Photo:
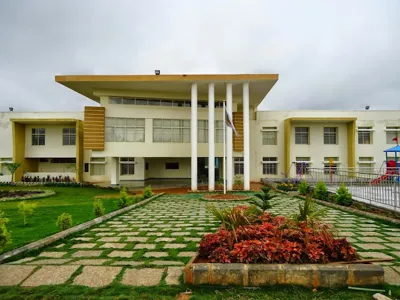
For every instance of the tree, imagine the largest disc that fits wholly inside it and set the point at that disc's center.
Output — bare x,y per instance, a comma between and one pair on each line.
12,167
263,199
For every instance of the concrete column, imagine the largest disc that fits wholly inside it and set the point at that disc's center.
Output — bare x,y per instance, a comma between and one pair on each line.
229,141
211,141
193,137
114,171
246,137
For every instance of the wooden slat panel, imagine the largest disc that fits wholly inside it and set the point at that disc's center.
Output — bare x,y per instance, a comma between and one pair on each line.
238,140
94,128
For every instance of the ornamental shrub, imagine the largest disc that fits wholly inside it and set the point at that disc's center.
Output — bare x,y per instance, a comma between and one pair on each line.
303,188
123,200
5,237
26,209
147,193
276,240
343,197
287,187
98,208
262,200
64,221
321,191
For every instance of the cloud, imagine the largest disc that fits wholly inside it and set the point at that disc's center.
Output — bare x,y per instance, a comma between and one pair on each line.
330,55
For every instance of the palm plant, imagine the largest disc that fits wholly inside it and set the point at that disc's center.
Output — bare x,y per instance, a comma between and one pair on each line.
263,199
308,212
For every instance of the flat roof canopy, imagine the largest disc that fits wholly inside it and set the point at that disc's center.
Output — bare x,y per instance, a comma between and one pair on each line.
41,121
169,86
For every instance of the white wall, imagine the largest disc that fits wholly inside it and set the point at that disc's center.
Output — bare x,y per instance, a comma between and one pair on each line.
53,145
55,168
157,168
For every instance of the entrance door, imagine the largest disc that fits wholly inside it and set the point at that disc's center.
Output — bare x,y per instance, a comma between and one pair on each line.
202,169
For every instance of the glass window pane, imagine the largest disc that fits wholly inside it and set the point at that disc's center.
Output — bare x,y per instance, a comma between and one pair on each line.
119,134
140,122
120,122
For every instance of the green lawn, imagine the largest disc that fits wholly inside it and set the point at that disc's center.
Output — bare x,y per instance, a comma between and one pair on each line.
116,291
76,201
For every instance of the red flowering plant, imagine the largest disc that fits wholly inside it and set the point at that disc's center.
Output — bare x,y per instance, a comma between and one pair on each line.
273,239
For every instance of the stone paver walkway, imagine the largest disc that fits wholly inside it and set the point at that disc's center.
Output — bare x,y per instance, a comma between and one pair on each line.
150,245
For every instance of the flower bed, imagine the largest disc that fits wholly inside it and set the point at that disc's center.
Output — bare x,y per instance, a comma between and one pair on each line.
276,240
226,197
14,195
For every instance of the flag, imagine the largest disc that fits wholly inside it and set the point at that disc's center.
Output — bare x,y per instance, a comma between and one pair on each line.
396,139
229,123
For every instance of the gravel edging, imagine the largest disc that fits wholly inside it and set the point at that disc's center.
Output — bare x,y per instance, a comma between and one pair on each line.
63,234
356,211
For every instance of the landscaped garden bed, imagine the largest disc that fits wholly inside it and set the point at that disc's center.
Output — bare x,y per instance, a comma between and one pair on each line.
226,197
255,248
12,195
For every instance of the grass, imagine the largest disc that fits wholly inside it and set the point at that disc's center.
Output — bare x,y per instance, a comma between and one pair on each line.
76,201
117,291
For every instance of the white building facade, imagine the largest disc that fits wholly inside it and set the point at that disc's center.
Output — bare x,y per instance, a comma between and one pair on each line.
171,127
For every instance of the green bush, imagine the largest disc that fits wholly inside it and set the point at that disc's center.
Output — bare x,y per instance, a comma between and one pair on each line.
5,237
303,188
262,200
321,191
64,221
343,197
26,209
309,212
98,208
123,200
147,193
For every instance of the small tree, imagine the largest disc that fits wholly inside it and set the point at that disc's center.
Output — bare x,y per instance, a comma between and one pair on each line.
321,191
64,221
98,208
26,209
263,199
147,193
343,197
5,238
12,168
309,212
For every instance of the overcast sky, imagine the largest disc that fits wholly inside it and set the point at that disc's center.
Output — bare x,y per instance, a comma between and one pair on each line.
329,54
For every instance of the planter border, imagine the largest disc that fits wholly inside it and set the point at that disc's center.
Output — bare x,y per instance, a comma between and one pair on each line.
63,234
309,275
226,200
43,194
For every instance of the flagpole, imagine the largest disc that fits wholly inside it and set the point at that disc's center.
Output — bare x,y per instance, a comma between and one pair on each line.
224,136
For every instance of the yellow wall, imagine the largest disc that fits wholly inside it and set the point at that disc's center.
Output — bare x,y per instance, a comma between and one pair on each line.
351,144
287,132
18,148
79,151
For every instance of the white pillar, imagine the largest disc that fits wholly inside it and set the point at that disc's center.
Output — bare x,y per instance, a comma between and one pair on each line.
114,173
246,137
193,137
229,142
211,141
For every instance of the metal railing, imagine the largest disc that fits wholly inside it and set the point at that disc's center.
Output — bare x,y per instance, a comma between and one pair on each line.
379,189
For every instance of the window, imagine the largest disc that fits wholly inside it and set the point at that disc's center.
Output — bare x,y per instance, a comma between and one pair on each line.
171,131
38,136
330,135
69,136
63,160
238,165
127,165
86,167
269,136
202,131
366,164
147,166
301,135
159,102
330,168
270,165
171,166
392,133
219,131
97,166
364,135
303,165
125,130
3,168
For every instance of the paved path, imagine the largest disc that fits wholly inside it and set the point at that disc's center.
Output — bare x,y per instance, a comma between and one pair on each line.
151,244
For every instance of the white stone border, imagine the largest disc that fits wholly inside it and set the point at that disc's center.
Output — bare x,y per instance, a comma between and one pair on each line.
63,234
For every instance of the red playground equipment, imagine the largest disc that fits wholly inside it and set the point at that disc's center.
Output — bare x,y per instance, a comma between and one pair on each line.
392,167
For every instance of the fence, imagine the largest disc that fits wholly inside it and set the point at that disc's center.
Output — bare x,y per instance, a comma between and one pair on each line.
382,190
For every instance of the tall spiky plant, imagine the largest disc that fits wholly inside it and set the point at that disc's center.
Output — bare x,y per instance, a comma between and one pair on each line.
263,199
308,212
